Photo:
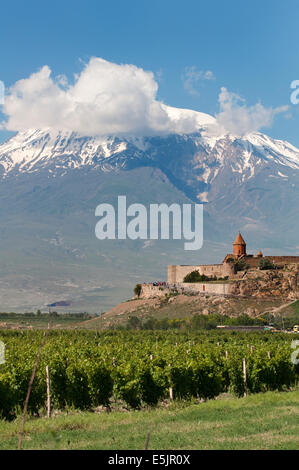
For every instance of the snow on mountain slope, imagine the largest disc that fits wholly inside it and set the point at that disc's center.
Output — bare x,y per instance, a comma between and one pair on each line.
200,164
32,148
283,151
36,149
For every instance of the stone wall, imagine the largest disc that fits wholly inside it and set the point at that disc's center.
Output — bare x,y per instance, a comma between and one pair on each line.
283,259
253,261
149,291
176,274
207,288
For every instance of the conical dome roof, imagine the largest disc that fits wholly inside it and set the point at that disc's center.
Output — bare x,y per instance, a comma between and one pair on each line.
239,240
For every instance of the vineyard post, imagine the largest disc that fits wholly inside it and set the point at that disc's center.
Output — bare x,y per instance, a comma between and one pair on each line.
245,377
226,355
147,440
170,393
48,393
269,355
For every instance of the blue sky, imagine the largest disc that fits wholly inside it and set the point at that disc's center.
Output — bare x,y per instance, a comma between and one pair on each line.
251,48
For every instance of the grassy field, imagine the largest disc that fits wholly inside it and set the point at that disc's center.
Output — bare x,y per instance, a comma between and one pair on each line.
19,320
262,421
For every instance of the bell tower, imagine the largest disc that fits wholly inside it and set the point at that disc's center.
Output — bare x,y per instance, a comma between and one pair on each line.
239,246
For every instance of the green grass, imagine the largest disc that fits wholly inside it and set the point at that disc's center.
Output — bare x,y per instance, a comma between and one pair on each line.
262,421
291,310
295,307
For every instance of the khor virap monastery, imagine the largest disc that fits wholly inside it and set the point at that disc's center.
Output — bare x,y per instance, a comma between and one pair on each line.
239,275
176,274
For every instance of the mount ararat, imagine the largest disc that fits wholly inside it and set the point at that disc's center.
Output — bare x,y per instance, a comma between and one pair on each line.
52,181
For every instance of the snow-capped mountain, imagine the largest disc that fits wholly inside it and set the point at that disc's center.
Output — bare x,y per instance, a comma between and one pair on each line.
51,182
199,161
37,150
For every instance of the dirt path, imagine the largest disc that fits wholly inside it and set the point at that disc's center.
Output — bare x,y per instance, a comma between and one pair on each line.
276,310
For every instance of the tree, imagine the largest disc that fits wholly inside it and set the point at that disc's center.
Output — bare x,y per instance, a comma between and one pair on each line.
194,276
241,265
265,263
137,290
134,323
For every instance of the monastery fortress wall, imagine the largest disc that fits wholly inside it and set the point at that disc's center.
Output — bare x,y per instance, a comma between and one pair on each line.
177,273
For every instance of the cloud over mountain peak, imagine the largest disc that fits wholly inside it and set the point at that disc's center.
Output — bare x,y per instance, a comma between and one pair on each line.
118,99
106,98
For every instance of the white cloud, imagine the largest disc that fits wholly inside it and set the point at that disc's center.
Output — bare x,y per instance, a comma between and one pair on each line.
192,76
111,99
106,98
238,119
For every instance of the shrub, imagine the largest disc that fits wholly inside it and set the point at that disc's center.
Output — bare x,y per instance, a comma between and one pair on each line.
265,263
77,390
7,397
100,383
194,276
58,378
208,381
181,380
127,385
151,385
134,323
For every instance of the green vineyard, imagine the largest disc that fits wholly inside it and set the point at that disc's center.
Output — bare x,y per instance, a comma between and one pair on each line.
88,369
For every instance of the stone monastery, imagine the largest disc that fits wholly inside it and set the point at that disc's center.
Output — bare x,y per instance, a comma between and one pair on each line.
239,275
176,274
